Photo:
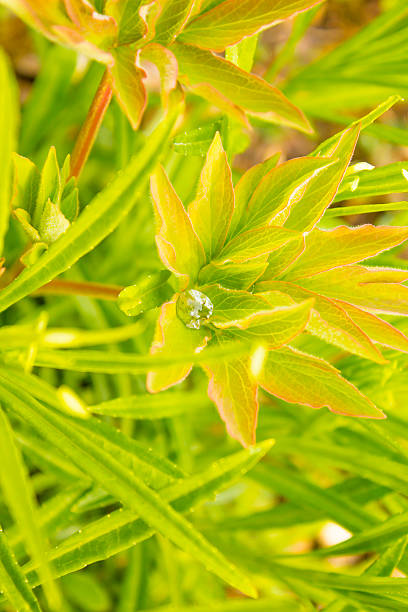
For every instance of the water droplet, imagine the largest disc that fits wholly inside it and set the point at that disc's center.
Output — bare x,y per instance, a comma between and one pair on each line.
194,308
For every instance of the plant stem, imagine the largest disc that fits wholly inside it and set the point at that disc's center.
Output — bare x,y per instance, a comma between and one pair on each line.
66,287
91,125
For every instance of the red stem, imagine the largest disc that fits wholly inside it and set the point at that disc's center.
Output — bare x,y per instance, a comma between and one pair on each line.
66,287
91,125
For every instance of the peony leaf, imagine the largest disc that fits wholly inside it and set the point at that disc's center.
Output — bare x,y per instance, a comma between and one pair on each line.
127,82
171,337
280,188
149,292
231,306
378,330
329,321
326,250
230,21
172,19
246,186
166,63
232,387
254,243
243,89
308,209
274,327
211,210
302,379
179,246
126,14
376,289
280,260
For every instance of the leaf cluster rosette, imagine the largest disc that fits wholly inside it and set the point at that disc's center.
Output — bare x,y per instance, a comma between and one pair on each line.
255,270
181,38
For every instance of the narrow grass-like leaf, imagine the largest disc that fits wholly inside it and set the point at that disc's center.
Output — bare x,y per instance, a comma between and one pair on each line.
13,582
123,484
16,489
98,219
121,529
151,407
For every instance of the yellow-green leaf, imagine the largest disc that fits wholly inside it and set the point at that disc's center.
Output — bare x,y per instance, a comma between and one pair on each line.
172,19
231,21
302,379
212,208
173,337
232,387
280,188
8,128
243,89
307,210
376,289
326,250
127,82
378,330
329,321
179,246
254,243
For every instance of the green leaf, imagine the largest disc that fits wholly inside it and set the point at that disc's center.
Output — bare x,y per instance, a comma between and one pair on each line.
120,530
172,19
166,63
246,186
326,250
329,320
232,306
243,89
280,260
149,292
279,189
212,208
98,220
161,406
392,178
53,223
273,328
198,140
172,337
123,484
17,492
362,209
302,379
305,211
254,243
228,23
49,186
377,289
116,362
234,276
127,82
179,246
324,502
12,580
234,390
25,183
8,133
372,539
84,590
131,25
378,330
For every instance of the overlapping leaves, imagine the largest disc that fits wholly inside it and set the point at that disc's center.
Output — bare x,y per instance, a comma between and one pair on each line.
271,274
128,37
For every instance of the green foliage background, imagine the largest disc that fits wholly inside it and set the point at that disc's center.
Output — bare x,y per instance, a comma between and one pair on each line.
116,499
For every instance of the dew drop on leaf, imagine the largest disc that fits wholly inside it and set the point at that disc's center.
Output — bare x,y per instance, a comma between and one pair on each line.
194,308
